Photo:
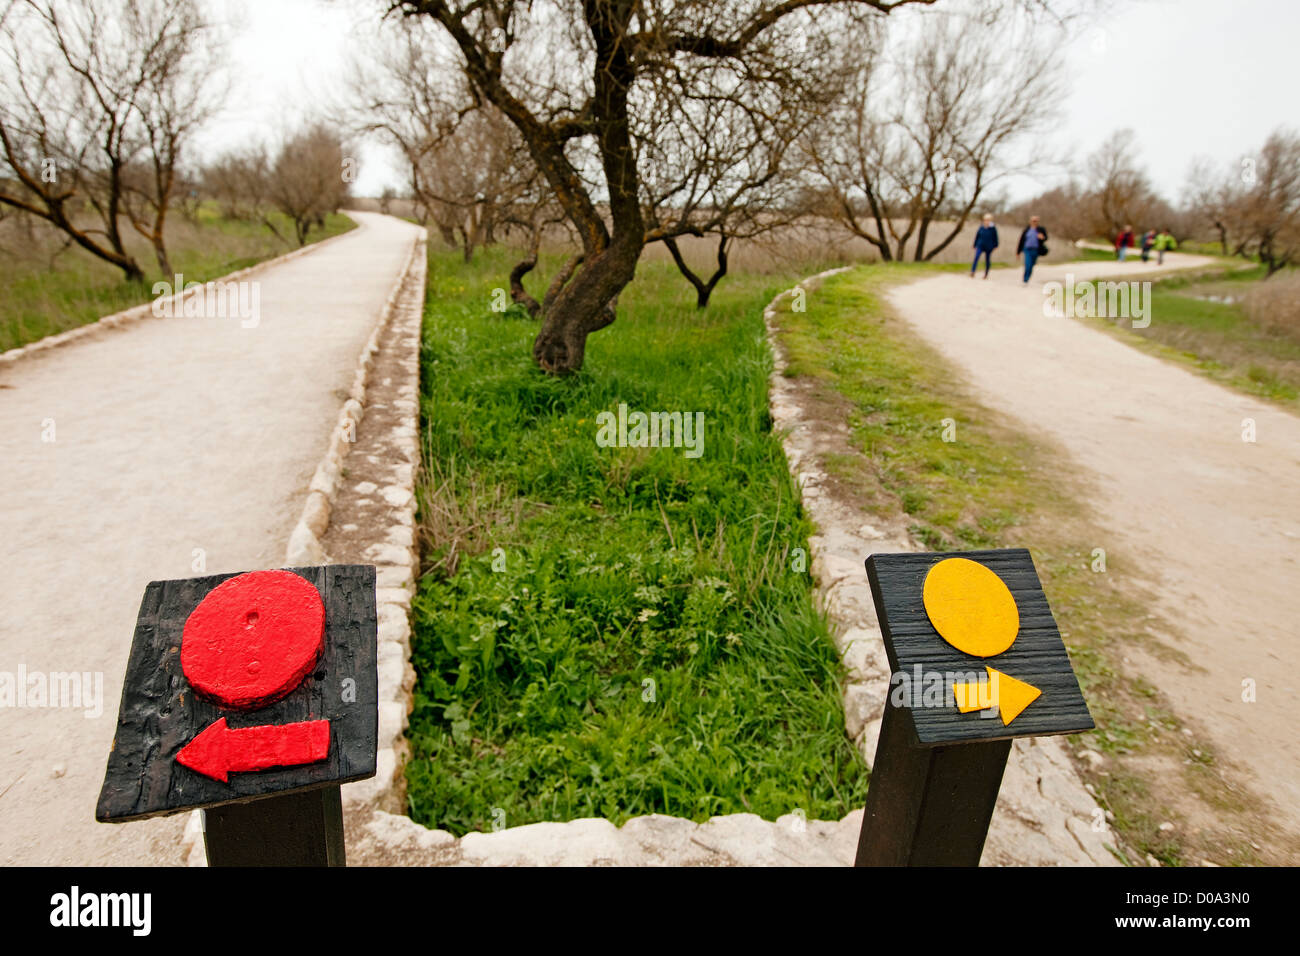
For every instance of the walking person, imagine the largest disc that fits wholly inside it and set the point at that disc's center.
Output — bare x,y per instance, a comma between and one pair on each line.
1148,240
1123,243
986,240
1164,242
1033,243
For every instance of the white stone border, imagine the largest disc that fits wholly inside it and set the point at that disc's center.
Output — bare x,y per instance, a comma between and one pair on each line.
1045,813
304,546
395,578
396,569
146,310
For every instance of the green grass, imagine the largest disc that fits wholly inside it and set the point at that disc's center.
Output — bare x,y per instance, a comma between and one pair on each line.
1199,247
1088,254
49,291
1219,339
957,494
995,487
613,631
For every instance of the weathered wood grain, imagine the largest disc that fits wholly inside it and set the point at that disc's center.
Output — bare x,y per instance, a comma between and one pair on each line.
159,713
1037,656
928,806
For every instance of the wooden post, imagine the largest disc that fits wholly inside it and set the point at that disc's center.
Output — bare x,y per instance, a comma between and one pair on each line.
951,717
928,806
296,829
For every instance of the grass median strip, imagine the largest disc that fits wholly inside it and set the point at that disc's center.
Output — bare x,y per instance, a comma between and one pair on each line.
613,631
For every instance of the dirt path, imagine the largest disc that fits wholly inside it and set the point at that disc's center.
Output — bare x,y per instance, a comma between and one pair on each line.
170,435
1213,521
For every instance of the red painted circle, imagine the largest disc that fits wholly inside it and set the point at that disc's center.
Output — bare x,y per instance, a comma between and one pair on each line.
253,638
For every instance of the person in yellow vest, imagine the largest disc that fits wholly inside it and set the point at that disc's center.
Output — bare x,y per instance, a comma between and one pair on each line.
1164,241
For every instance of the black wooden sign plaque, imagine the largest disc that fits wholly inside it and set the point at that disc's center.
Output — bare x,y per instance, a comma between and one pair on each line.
918,653
316,726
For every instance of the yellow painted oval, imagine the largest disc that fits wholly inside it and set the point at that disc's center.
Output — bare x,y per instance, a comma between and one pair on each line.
970,607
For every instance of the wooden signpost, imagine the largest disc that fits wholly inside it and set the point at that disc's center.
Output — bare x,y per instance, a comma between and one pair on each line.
253,697
976,660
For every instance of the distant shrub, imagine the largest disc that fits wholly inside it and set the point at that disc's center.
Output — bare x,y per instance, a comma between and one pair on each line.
1275,304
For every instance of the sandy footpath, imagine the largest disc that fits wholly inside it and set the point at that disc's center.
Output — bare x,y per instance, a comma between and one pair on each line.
1212,522
181,446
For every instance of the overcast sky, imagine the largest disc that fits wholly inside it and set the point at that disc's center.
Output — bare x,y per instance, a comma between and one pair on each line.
1191,77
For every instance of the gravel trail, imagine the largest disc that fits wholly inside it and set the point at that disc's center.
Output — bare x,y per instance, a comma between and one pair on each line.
1211,521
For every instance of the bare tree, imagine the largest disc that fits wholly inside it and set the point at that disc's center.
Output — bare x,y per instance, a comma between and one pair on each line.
178,96
520,56
921,135
477,179
306,179
238,182
1205,198
90,90
721,164
469,171
1064,211
1119,192
1267,213
1252,205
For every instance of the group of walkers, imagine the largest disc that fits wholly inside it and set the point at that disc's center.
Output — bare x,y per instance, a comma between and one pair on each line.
1161,242
1032,245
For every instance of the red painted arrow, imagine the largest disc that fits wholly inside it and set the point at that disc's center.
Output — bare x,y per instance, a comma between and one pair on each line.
220,751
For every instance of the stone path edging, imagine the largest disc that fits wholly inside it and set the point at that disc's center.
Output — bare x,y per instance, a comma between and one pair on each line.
1045,814
304,546
401,314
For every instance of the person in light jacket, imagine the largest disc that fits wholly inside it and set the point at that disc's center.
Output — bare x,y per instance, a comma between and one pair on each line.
986,240
1164,243
1033,243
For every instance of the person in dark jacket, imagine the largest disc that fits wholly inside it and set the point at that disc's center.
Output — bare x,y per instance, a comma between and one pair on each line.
1148,240
1123,243
1033,243
986,240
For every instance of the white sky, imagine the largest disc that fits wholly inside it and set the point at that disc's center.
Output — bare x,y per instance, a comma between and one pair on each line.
288,58
1210,77
1191,77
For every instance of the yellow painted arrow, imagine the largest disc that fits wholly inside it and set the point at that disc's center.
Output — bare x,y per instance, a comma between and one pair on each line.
1003,691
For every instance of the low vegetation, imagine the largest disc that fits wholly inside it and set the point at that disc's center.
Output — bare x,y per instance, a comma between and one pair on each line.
613,631
1232,325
